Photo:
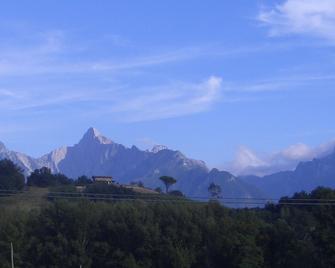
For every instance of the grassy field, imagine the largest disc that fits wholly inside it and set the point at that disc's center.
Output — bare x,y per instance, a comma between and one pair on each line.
37,198
140,190
31,198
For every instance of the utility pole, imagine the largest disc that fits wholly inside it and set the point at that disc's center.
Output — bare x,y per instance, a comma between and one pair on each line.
12,254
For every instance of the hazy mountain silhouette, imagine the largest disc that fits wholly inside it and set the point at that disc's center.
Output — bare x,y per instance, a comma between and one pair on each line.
306,176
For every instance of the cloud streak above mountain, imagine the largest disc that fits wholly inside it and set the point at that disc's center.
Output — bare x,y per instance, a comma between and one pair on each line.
121,103
170,101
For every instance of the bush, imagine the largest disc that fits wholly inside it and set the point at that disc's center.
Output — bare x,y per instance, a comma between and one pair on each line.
176,193
11,176
44,178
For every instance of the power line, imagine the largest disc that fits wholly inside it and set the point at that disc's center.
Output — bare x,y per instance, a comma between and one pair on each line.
293,202
145,194
160,196
165,198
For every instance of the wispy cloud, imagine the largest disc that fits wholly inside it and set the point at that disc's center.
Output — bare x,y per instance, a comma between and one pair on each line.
54,52
147,60
279,83
35,56
61,75
121,102
58,52
169,101
129,103
43,60
307,17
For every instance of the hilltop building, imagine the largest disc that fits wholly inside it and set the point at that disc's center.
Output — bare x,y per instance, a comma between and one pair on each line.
103,179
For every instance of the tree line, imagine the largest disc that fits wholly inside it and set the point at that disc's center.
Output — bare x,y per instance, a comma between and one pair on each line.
166,235
12,178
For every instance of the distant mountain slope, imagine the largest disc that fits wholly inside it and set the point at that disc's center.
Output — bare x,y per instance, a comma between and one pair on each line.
306,176
26,163
98,155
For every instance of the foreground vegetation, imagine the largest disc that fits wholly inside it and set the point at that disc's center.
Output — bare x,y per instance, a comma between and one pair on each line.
162,234
161,230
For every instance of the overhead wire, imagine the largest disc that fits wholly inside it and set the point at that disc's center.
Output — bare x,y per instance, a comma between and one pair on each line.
162,198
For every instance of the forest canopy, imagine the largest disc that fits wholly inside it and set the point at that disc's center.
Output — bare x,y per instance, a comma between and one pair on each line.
162,234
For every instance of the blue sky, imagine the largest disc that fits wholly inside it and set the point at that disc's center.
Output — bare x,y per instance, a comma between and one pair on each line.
218,80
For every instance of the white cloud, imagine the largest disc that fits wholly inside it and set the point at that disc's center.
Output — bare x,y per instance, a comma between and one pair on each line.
248,162
169,101
308,17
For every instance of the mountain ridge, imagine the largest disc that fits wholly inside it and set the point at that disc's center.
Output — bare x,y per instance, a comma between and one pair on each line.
305,177
96,154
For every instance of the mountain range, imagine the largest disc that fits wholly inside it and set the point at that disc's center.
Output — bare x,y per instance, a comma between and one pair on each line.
97,155
306,176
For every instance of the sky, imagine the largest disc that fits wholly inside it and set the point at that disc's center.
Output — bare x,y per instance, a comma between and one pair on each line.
237,84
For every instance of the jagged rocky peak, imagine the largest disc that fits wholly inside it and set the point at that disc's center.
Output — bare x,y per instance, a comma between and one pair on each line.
92,134
2,147
158,148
